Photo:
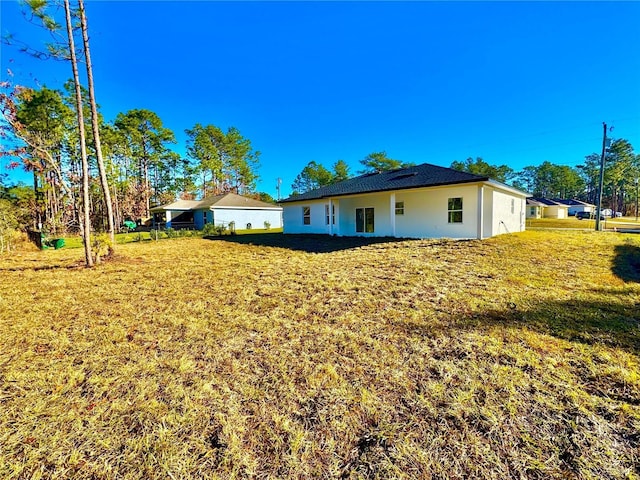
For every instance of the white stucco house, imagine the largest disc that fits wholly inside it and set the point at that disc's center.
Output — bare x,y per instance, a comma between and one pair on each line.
576,206
546,208
245,212
423,201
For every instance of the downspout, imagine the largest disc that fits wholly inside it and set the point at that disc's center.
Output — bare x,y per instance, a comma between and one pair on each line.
480,211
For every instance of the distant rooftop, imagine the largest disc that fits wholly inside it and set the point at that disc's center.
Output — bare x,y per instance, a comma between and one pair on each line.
228,200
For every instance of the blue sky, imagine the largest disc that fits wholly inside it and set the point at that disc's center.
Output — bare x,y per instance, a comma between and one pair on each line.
515,83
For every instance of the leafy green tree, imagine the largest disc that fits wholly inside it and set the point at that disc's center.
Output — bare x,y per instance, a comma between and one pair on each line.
340,171
146,141
264,197
377,162
312,176
44,125
501,173
206,145
551,181
24,200
589,171
225,161
242,162
618,173
8,225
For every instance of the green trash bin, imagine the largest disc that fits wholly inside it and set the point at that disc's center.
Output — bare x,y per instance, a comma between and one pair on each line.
58,243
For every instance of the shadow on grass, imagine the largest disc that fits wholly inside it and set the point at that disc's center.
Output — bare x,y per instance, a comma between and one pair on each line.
626,264
310,243
608,323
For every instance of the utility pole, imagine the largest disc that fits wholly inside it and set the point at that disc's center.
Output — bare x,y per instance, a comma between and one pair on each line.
601,183
278,183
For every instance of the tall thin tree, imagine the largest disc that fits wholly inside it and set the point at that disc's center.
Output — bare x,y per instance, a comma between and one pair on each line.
95,126
85,220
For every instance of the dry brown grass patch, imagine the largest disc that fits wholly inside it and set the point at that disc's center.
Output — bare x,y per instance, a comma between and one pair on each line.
514,357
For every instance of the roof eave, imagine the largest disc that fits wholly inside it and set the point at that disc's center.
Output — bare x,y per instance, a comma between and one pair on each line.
408,187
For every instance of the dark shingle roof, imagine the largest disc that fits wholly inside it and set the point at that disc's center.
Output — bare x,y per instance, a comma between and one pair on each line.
424,175
545,202
572,202
225,200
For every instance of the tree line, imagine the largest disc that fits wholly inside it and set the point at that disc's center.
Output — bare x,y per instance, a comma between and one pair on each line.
142,169
90,174
549,180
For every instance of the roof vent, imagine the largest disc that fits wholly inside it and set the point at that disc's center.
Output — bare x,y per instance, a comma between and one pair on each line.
404,175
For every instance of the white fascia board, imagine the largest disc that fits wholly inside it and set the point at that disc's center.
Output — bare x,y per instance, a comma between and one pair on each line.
245,208
409,190
506,188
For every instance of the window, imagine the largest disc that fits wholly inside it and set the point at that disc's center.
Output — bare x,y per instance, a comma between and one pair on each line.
326,214
399,208
364,220
533,210
204,217
306,215
455,210
513,205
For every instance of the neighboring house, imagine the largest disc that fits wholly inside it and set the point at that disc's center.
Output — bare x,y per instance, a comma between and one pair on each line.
534,208
423,201
219,210
546,208
576,206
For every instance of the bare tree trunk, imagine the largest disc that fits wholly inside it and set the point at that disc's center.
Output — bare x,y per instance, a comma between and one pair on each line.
96,131
85,222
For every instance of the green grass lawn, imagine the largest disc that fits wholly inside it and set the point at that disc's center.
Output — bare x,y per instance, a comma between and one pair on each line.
586,224
273,356
75,241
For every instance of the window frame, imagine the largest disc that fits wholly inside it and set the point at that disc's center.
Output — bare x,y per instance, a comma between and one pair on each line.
400,208
327,215
306,215
455,214
365,224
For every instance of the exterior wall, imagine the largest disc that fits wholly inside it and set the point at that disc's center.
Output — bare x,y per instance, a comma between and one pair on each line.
244,216
503,220
198,218
380,202
426,213
553,211
573,209
293,220
533,211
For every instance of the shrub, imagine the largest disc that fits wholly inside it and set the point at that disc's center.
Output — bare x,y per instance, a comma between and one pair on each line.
267,224
171,233
8,226
209,229
101,246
